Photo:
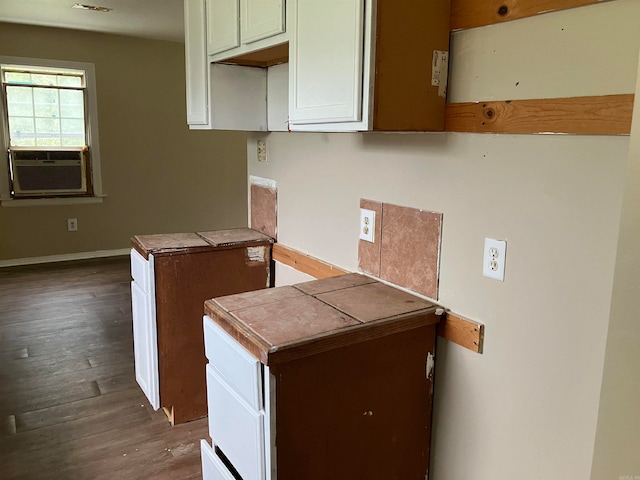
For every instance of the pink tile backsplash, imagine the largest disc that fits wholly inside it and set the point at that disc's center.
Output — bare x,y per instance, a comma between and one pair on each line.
407,247
264,210
410,248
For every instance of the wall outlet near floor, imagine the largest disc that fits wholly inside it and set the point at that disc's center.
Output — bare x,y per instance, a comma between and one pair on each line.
367,225
495,255
262,150
72,224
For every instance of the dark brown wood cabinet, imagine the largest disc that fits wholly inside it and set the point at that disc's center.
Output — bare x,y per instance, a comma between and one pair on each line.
173,274
326,379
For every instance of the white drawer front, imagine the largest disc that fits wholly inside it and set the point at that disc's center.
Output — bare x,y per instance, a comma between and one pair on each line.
236,428
212,466
236,365
140,270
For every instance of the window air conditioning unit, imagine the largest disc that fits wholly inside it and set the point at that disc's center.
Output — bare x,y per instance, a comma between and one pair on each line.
41,173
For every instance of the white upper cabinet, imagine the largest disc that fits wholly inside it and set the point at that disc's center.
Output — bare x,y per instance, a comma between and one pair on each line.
354,65
222,25
261,19
230,97
361,65
238,27
326,62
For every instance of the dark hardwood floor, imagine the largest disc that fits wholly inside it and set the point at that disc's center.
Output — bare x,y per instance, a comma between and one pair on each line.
70,407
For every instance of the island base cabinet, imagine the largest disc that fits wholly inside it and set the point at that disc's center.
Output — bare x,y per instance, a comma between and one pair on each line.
360,411
173,274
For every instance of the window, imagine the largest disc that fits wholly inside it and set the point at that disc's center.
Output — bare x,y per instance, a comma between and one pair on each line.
49,130
45,108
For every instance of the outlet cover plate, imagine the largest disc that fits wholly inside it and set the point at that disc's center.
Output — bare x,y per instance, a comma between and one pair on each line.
262,150
367,225
494,258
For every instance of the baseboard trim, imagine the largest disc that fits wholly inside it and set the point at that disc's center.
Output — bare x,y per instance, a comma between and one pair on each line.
64,258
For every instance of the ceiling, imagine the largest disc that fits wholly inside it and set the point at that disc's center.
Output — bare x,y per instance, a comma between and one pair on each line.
155,19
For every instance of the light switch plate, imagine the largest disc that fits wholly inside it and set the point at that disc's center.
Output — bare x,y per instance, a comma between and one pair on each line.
367,225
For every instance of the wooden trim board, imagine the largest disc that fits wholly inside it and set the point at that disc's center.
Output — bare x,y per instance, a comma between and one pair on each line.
464,332
452,327
474,13
304,263
597,115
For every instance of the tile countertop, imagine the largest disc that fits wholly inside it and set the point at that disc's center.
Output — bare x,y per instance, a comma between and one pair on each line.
174,243
286,323
234,237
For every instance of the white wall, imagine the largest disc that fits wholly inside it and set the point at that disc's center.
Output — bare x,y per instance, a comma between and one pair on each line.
528,407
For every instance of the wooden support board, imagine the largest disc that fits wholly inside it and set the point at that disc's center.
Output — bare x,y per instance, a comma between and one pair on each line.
304,263
453,327
474,13
597,115
462,331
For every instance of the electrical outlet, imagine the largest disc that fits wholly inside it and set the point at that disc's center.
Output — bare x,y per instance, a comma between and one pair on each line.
495,255
367,225
72,224
262,150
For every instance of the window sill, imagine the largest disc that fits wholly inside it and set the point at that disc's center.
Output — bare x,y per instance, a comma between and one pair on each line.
38,202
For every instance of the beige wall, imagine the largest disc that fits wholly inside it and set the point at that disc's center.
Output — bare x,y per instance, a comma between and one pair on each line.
158,175
618,436
528,407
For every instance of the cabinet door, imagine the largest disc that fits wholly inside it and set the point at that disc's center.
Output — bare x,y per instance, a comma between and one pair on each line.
195,62
145,345
261,19
222,25
325,71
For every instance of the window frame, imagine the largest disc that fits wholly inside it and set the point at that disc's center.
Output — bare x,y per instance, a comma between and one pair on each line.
91,135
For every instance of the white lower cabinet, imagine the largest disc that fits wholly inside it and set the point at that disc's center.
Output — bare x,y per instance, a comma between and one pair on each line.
239,423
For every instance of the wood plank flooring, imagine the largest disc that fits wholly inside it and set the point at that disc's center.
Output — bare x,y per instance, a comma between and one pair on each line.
70,407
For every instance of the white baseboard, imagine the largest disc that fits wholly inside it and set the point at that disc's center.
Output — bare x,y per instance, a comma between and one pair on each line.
64,258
